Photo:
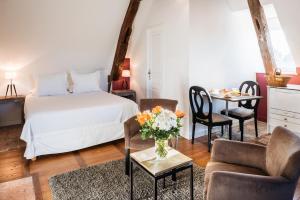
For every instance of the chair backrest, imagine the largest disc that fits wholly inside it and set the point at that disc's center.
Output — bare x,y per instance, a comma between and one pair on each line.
251,88
283,154
198,97
148,104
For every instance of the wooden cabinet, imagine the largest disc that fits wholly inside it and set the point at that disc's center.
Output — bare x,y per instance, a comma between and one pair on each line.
11,110
284,108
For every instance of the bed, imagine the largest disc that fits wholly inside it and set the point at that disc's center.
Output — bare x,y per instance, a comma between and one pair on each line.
58,124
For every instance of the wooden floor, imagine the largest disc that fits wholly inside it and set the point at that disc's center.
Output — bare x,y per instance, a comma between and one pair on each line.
13,166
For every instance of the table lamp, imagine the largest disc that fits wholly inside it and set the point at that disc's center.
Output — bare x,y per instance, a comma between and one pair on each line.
125,74
10,75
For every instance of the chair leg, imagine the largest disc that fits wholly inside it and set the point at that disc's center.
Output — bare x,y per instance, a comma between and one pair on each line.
193,133
127,161
209,139
222,130
230,131
242,129
255,123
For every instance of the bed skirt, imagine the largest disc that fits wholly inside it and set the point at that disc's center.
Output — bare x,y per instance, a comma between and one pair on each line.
71,139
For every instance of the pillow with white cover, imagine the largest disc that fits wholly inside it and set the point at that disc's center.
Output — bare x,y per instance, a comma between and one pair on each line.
83,83
51,85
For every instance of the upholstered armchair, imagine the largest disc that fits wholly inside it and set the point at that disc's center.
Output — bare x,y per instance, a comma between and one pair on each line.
133,140
253,172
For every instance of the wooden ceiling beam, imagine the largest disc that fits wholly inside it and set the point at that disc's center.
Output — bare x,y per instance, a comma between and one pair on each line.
263,35
123,40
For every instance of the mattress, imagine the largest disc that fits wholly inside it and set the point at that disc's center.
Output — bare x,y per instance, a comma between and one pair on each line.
58,124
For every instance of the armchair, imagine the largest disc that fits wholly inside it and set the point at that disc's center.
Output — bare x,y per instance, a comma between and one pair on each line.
249,171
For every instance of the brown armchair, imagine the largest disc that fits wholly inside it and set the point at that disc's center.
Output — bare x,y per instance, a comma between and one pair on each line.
133,139
248,171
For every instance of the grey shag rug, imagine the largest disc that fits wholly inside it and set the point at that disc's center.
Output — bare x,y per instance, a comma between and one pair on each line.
108,181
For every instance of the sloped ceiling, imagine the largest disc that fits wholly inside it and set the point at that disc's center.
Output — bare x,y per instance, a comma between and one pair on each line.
48,35
288,14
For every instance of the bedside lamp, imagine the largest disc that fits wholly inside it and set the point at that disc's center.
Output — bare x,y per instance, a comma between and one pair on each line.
10,75
125,74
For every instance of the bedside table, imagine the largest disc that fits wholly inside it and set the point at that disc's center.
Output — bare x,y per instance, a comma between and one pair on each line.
11,110
128,94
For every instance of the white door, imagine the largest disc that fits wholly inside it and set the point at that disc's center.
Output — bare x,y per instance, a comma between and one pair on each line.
155,67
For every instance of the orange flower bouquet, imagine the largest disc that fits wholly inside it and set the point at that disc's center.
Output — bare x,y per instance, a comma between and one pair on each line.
161,125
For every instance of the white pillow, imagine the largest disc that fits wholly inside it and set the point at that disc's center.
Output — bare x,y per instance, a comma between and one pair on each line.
82,83
51,85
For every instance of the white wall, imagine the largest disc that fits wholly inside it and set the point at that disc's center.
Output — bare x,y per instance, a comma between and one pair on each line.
172,16
223,48
54,35
206,44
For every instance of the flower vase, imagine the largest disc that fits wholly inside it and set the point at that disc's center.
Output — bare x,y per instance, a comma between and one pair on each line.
161,149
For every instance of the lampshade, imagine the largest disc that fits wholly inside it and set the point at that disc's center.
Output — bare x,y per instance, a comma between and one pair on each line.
10,75
125,73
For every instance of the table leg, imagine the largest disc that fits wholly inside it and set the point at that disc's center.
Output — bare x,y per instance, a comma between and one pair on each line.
155,189
192,183
227,108
164,183
226,113
131,180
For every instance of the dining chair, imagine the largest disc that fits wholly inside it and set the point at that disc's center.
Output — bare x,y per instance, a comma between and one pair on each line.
246,109
133,139
199,97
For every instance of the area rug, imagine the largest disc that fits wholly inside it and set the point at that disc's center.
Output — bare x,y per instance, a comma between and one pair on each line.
108,181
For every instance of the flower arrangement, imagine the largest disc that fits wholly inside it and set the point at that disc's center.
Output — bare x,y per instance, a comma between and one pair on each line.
161,125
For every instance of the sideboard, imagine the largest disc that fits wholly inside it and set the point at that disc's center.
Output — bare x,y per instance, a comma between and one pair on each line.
284,108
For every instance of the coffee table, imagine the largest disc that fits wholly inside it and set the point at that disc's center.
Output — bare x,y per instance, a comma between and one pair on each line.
160,169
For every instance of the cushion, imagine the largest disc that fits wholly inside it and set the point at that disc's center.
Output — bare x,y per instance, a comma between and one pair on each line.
283,154
217,118
50,85
239,112
83,83
220,166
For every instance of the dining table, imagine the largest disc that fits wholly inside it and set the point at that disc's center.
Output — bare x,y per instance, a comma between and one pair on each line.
234,99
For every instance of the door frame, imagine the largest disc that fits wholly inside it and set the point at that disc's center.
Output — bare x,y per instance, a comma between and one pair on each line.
158,29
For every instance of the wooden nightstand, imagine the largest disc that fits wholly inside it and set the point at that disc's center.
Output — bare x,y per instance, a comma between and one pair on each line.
128,94
11,110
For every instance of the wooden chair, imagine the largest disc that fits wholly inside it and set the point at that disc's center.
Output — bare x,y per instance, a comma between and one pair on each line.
133,140
247,109
198,97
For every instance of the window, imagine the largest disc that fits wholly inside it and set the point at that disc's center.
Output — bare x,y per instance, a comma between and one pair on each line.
283,57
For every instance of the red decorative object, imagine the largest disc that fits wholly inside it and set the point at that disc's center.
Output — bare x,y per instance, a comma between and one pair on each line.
262,108
118,85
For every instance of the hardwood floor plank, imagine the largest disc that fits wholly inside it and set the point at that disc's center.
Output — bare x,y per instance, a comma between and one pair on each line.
37,186
79,159
13,166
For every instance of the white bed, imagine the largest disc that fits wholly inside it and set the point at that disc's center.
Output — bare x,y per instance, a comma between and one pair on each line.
58,124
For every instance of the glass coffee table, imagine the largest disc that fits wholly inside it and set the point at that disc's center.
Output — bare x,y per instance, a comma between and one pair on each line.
160,169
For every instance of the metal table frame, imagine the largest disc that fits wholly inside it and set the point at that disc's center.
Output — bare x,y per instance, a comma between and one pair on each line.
163,175
234,99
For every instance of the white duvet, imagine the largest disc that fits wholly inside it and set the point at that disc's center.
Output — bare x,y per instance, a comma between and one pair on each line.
57,124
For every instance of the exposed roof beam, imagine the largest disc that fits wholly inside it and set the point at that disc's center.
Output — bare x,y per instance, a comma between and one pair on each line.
123,40
263,35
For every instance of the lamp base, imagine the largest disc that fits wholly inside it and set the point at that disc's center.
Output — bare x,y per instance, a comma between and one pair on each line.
11,88
125,84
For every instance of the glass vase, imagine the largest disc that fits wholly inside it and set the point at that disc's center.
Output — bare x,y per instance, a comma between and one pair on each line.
161,149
